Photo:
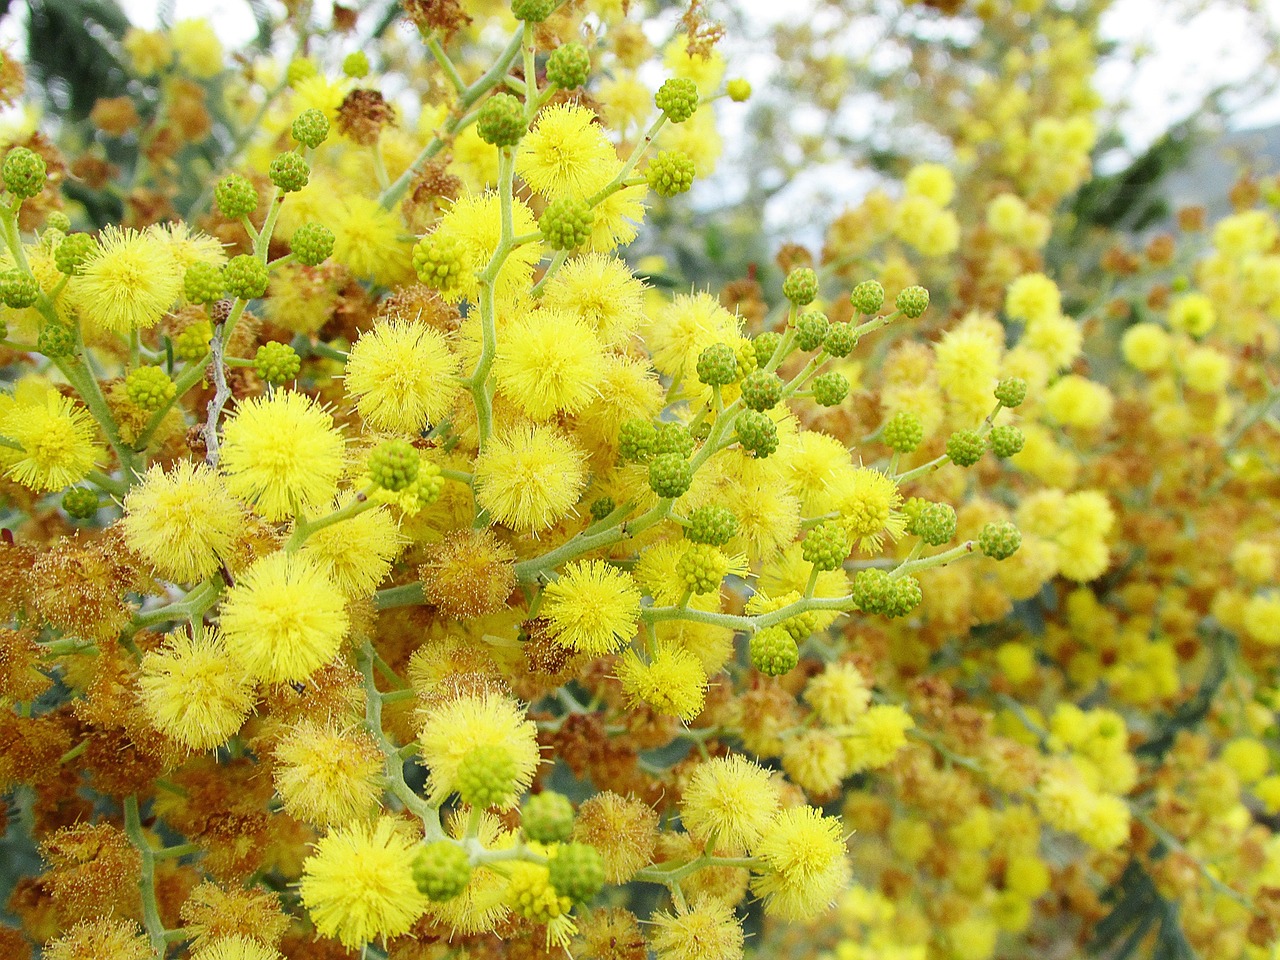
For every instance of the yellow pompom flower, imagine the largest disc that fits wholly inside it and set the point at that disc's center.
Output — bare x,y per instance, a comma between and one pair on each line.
1031,297
149,51
563,154
705,929
357,553
868,502
402,376
284,618
529,476
56,435
931,180
803,864
731,799
327,777
679,333
1146,346
1076,401
875,737
101,937
235,947
1056,338
282,454
1192,313
672,682
369,241
839,695
1206,370
198,47
602,292
183,522
128,283
358,885
592,607
452,729
1262,619
475,222
194,691
548,363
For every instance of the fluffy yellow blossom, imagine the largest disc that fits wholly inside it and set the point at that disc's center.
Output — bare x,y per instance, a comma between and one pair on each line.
875,737
194,691
198,47
1033,297
592,607
564,153
326,776
868,502
452,729
56,440
358,885
357,553
803,864
403,376
672,681
548,363
235,947
282,453
183,522
601,291
529,477
128,283
730,799
284,618
705,929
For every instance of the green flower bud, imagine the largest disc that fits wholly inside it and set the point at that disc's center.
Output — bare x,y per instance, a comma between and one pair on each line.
867,297
677,98
312,244
761,390
670,172
289,171
801,286
601,507
246,277
73,251
235,196
149,387
192,343
637,440
1011,391
773,652
717,365
903,432
277,363
703,568
501,120
739,90
438,260
999,540
311,128
57,220
394,465
811,330
204,283
673,438
441,870
24,173
80,503
670,475
56,340
913,302
566,223
576,870
356,65
830,389
765,345
547,817
965,447
487,776
1005,440
757,432
712,524
18,290
569,66
532,11
934,523
826,546
840,339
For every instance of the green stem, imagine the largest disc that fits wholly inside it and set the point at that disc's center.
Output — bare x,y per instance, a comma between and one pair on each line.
147,883
442,58
405,595
303,528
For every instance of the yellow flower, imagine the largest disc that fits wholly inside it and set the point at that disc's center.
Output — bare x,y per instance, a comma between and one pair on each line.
236,947
193,690
284,619
57,439
475,221
1146,346
566,154
672,683
730,799
706,929
804,864
358,885
403,376
369,241
876,736
327,777
548,363
839,695
1031,297
868,502
592,607
356,554
1192,313
601,291
128,282
282,454
684,328
149,51
199,49
452,729
102,937
184,522
528,477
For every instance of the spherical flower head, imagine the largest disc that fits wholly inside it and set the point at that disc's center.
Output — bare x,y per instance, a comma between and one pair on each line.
326,776
487,777
23,172
235,947
357,554
1192,313
730,799
903,432
369,241
311,128
876,736
601,291
198,47
569,66
276,363
1262,619
204,283
1011,391
739,90
474,223
868,503
194,691
826,546
531,895
761,390
245,277
284,618
441,870
128,283
839,695
17,290
118,939
673,683
500,121
592,607
1006,440
57,437
547,817
312,244
548,363
677,98
623,829
182,522
358,885
576,871
566,223
149,388
670,173
1032,297
565,153
704,929
815,761
402,375
912,302
804,864
80,503
529,476
801,287
282,453
453,729
773,651
74,250
469,574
